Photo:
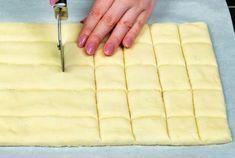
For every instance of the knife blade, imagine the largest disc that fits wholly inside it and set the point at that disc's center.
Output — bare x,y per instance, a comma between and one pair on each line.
61,13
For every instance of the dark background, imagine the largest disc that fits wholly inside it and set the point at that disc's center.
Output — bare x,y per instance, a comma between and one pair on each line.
231,5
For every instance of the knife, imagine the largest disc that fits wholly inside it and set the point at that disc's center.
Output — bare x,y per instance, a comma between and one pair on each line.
61,13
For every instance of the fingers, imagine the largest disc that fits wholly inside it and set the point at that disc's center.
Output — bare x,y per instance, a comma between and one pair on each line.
132,34
135,30
106,24
123,26
105,17
98,10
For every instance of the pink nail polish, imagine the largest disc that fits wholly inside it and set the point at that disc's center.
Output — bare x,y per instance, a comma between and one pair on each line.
53,2
90,49
128,42
109,48
82,40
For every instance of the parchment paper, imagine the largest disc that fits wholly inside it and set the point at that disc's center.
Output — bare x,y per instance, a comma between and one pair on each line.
214,12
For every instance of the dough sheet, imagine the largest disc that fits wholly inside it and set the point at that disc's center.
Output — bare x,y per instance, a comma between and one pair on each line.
165,90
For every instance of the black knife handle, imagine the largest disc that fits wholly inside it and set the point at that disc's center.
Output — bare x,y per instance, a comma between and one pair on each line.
62,2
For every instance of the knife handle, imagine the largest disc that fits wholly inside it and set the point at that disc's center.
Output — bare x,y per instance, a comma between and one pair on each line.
60,7
61,2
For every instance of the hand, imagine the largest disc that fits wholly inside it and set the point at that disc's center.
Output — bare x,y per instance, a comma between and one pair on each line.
123,18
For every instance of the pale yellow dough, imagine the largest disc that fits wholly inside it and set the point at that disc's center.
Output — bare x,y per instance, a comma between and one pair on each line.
164,90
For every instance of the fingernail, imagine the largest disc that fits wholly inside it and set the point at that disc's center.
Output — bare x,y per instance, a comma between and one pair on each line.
82,40
109,48
83,20
53,2
128,42
90,49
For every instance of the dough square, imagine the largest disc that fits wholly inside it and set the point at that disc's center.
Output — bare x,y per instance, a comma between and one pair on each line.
30,76
112,103
183,130
165,33
145,103
103,60
204,77
49,131
178,103
46,77
194,33
209,103
74,78
116,131
150,130
144,36
75,56
142,78
70,32
169,54
174,78
110,78
213,130
31,53
48,103
22,32
140,54
199,54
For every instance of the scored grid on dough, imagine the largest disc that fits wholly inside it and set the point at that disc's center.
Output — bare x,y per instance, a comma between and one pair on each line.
146,87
